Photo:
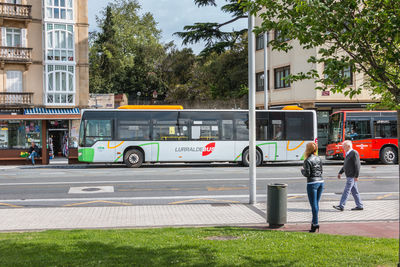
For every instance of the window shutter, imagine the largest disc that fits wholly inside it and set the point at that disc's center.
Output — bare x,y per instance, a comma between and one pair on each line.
23,37
3,36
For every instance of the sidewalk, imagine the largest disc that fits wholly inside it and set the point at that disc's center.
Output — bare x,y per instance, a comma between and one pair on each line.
379,219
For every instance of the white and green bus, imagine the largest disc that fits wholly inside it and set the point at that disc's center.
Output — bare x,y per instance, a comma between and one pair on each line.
136,136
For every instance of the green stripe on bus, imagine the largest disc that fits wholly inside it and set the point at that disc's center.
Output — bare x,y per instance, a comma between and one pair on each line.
147,144
86,154
158,149
118,158
271,143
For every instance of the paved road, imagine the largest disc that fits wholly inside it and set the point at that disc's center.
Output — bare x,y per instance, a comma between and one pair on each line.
32,187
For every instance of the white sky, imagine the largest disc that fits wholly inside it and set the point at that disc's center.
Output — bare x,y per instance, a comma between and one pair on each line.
172,15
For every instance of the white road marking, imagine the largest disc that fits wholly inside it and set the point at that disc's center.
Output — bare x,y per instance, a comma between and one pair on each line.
91,190
174,181
166,197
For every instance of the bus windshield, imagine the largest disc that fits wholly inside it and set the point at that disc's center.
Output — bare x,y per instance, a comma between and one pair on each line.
335,128
95,130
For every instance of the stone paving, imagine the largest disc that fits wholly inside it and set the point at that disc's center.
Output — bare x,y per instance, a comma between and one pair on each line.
374,210
21,219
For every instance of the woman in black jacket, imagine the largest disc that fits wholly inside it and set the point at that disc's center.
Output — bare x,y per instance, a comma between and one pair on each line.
312,169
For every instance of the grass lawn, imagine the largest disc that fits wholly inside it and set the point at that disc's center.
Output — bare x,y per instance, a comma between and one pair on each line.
193,247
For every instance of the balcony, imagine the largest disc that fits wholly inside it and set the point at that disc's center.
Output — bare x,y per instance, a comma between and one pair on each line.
10,54
9,99
15,12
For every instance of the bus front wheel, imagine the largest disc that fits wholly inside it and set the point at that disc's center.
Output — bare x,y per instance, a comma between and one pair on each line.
388,155
246,158
133,158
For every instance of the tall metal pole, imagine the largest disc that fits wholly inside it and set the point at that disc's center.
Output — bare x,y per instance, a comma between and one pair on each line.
266,76
252,113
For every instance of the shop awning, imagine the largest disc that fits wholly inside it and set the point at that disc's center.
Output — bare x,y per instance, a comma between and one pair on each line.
51,111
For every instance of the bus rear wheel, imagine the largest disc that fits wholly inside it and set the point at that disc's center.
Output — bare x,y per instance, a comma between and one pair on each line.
133,158
388,155
246,158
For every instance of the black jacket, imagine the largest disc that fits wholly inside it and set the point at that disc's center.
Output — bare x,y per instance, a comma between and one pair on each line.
35,148
312,169
351,166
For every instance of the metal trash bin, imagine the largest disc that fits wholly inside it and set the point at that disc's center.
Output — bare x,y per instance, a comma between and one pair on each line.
277,205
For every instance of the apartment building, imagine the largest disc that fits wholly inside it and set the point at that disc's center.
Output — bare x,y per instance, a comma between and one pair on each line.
302,93
44,74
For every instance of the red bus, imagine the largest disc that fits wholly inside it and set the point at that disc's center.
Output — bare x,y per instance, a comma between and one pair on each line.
373,133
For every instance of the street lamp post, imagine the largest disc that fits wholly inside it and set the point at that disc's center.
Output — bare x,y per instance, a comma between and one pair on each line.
252,113
266,76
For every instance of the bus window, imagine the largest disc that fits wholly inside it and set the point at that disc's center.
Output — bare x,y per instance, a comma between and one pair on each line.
242,127
277,126
385,129
262,119
133,126
358,129
97,130
170,130
205,130
227,130
299,126
168,126
335,128
133,130
82,133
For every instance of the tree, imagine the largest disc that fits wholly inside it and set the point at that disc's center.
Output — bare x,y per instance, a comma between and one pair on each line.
177,66
125,55
216,40
212,77
103,55
226,74
362,35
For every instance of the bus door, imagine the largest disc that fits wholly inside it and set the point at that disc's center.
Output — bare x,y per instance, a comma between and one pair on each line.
384,128
98,137
268,147
299,129
277,135
358,130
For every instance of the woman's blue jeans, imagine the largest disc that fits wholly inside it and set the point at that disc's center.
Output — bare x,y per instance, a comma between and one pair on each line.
314,192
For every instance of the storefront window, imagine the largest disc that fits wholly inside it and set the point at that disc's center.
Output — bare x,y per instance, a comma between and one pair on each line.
3,135
18,134
74,136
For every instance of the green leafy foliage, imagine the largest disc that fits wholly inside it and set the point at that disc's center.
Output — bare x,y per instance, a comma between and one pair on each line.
215,76
125,55
361,35
216,39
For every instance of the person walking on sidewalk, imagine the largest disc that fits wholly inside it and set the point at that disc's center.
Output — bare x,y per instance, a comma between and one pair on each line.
351,168
312,169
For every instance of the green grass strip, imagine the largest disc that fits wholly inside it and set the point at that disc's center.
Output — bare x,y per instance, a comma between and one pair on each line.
193,247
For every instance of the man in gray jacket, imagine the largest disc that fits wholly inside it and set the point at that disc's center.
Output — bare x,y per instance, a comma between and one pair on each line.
351,168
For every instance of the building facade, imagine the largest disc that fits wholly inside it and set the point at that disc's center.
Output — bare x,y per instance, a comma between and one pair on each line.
44,74
302,93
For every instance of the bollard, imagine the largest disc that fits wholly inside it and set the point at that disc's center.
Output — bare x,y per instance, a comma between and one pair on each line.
276,205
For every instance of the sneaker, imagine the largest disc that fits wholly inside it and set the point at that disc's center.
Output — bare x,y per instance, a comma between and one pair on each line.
357,208
338,208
